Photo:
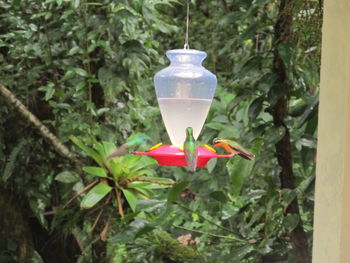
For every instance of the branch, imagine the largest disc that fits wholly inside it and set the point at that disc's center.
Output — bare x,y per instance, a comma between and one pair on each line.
211,222
140,179
34,121
81,192
234,239
119,203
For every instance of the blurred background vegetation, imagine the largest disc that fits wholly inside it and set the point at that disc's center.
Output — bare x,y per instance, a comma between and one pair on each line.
85,68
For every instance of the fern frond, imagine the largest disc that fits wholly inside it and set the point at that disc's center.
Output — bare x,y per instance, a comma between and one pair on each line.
8,171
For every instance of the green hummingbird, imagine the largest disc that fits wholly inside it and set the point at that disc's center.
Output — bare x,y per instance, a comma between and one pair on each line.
125,148
233,147
191,150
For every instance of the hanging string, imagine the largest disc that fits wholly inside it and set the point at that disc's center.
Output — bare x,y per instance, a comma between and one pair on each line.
187,46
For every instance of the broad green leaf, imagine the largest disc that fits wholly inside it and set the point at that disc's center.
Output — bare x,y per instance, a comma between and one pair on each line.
256,216
145,191
211,164
239,253
76,3
288,195
231,18
101,111
140,169
12,160
305,184
74,50
96,171
68,75
150,185
145,171
95,195
37,206
251,65
286,52
16,2
132,161
291,221
98,146
89,151
80,72
216,126
67,177
150,206
49,90
239,169
136,185
175,192
161,179
310,112
274,134
308,142
219,196
128,234
36,258
104,148
142,193
112,84
255,108
131,198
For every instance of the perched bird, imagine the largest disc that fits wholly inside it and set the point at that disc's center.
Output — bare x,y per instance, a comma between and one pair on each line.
191,150
233,147
125,148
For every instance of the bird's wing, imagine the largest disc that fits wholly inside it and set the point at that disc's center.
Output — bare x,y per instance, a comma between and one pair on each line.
238,148
122,150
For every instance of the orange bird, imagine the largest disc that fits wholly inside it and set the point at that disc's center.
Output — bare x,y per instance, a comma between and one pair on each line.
233,148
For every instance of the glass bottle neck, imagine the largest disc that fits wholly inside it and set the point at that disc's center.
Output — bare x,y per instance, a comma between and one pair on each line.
186,57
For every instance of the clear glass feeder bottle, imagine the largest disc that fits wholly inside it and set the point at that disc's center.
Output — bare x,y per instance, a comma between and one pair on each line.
185,90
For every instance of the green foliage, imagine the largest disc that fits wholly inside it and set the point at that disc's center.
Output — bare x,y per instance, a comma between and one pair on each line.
178,252
176,191
8,170
240,169
95,171
95,195
118,174
85,69
67,177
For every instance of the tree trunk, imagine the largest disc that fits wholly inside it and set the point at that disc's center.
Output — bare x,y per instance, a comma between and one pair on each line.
14,228
283,32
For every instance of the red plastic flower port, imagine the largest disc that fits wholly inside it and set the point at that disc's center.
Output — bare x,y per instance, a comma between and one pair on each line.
169,155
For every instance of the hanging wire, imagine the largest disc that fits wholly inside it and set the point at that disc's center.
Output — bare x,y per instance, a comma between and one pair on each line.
187,46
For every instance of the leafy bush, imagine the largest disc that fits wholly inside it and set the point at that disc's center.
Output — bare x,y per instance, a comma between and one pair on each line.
85,69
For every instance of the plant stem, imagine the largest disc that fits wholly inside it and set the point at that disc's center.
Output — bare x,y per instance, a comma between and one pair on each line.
206,219
211,234
119,201
81,192
140,179
103,234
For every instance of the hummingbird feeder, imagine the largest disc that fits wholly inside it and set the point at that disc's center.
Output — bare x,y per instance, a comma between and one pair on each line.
185,90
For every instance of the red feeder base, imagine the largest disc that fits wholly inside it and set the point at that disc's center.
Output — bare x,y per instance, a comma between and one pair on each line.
169,155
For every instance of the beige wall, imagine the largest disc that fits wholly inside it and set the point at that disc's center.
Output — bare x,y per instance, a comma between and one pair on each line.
332,203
